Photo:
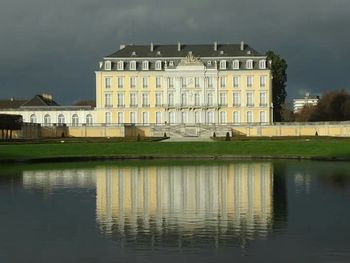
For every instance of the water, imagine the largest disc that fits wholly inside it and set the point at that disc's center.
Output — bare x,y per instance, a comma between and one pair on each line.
189,211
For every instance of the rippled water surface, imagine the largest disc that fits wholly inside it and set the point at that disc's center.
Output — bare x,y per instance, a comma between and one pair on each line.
189,212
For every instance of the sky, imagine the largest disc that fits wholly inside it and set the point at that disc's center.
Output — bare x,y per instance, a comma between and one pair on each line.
54,46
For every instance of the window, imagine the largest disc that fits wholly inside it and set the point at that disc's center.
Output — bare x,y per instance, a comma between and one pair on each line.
210,99
145,82
262,64
144,118
171,83
171,63
158,118
171,99
60,119
223,82
210,82
235,81
222,117
158,65
223,64
120,119
183,117
235,64
196,82
120,82
197,117
158,99
33,118
183,99
145,100
75,120
209,63
249,64
158,82
108,100
108,82
132,65
145,65
108,65
47,120
196,99
120,65
250,99
210,117
262,116
132,82
235,117
171,117
249,81
249,117
133,117
223,99
89,120
133,100
236,99
262,81
107,118
183,83
120,98
263,99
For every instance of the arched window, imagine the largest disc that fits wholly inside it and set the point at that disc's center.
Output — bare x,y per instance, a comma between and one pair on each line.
262,116
120,119
145,65
249,64
222,117
235,117
144,118
158,65
133,117
75,120
107,118
33,118
47,120
210,117
235,64
60,119
249,117
197,117
89,120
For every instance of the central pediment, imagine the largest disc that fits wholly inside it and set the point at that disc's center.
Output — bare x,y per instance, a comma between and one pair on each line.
190,62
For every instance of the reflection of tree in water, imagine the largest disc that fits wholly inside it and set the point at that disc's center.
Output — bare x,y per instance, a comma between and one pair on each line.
280,202
224,205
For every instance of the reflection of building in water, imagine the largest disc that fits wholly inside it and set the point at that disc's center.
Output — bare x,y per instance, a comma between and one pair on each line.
221,201
48,179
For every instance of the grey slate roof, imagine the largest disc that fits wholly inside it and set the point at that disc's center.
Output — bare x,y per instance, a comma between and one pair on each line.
38,101
223,50
11,104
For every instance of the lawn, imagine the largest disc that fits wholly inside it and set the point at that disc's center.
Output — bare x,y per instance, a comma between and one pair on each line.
332,148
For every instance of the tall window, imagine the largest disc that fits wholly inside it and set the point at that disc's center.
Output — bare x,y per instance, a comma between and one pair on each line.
223,82
210,99
133,117
132,65
108,100
262,81
171,117
75,120
210,82
235,64
158,99
250,99
235,117
158,82
171,99
120,98
132,82
249,117
120,118
236,99
262,64
262,116
210,117
145,82
249,81
197,117
60,119
107,82
145,65
144,118
222,117
158,118
158,65
33,118
108,65
249,64
145,100
262,99
223,64
120,65
89,120
47,120
196,99
222,99
133,102
183,82
183,99
120,82
196,82
170,83
183,117
108,118
235,81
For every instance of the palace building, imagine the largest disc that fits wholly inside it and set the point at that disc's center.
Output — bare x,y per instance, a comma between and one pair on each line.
159,85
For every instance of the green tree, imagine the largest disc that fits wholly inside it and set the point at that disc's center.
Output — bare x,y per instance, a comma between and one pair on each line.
278,68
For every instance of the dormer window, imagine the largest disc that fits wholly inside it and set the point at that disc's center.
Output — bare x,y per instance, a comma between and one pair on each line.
145,65
171,63
120,65
262,64
132,65
249,64
133,53
158,53
223,64
209,63
235,64
108,65
158,65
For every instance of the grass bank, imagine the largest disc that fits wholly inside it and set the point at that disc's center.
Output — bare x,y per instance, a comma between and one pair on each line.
292,148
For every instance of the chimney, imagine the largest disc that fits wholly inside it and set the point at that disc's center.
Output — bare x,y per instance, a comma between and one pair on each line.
122,46
215,46
242,45
151,47
178,46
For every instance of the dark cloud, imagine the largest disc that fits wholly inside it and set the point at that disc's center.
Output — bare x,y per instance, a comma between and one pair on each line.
55,46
